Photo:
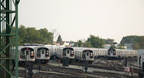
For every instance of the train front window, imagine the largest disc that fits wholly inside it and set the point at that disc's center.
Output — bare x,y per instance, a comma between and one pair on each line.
27,52
22,53
43,51
68,51
38,53
87,53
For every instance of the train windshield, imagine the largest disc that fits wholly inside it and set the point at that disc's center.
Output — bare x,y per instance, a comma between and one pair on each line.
68,51
43,51
111,52
83,55
22,53
27,52
87,53
38,53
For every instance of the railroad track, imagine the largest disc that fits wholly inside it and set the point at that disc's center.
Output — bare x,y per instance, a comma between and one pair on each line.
58,71
110,65
63,72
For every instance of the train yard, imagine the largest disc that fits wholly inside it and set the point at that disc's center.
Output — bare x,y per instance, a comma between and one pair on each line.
101,68
77,62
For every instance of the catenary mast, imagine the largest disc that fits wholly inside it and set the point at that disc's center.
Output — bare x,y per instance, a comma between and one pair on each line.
8,40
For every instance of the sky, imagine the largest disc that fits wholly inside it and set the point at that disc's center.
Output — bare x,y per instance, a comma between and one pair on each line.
78,19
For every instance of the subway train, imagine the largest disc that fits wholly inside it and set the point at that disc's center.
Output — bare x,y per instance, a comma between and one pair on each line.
121,53
100,52
42,54
141,63
53,52
62,52
26,54
84,54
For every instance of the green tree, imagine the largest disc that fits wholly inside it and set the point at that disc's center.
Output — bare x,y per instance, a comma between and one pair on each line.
136,46
59,40
109,41
50,38
31,35
129,39
96,41
79,43
141,42
112,47
46,36
87,44
22,33
120,47
136,41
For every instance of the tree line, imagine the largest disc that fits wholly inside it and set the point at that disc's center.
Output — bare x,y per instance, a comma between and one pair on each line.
95,42
137,42
32,35
43,36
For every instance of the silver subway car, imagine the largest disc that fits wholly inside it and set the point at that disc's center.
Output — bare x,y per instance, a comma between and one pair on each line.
26,54
65,52
82,54
42,54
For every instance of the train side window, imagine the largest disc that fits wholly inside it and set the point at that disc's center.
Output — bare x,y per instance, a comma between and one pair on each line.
64,53
114,52
83,56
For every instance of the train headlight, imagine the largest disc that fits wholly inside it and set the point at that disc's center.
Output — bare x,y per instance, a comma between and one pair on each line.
72,52
46,54
32,52
91,54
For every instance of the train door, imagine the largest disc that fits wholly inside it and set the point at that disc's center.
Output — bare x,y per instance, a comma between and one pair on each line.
87,55
42,53
27,54
68,52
